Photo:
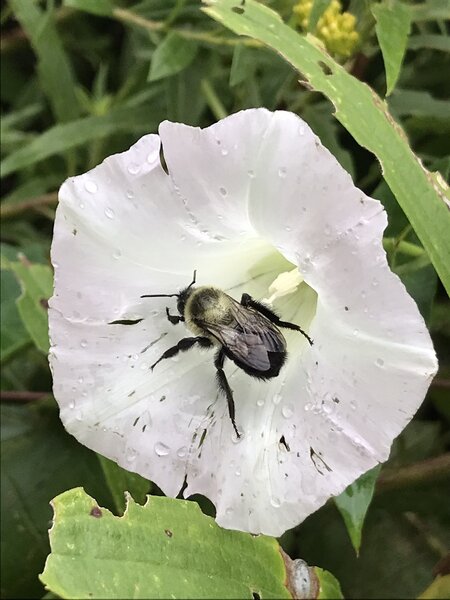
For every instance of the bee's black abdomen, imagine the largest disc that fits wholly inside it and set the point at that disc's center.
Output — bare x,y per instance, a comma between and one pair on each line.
276,359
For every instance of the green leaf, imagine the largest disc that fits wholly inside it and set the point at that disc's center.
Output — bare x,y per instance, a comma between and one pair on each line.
420,104
438,590
433,41
36,282
243,64
354,502
318,8
172,55
120,481
70,135
101,8
364,115
54,68
431,10
330,588
14,335
393,23
165,549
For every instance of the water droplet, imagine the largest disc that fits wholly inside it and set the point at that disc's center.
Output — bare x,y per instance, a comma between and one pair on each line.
287,411
90,186
229,511
117,254
287,228
133,168
327,230
109,213
277,399
144,366
260,402
181,452
301,130
81,205
275,502
235,439
251,174
223,191
352,405
282,172
224,151
130,194
80,380
363,294
355,331
308,406
374,282
153,156
238,472
83,343
161,449
379,362
131,454
71,404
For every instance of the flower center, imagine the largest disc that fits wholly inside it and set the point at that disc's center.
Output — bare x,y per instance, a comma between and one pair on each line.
285,283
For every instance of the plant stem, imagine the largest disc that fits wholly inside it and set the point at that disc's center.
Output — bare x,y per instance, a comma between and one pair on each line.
419,473
12,210
403,247
213,100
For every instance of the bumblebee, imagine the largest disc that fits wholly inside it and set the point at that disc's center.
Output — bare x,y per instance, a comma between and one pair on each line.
247,333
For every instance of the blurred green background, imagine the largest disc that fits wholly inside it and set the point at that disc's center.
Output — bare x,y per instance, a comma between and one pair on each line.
82,79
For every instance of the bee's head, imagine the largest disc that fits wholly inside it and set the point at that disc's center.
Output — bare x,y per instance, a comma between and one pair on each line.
182,296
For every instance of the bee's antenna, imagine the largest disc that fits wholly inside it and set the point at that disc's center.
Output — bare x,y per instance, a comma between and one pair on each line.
193,279
159,295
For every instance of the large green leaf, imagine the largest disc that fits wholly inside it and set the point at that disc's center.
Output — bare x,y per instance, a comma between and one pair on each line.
54,69
165,549
420,193
354,502
36,282
393,22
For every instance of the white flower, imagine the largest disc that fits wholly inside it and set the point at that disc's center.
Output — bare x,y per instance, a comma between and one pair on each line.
255,204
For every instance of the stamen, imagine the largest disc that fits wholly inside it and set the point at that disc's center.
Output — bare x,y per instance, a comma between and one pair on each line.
284,284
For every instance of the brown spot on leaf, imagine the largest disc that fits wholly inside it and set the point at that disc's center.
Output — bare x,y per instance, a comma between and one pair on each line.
168,533
96,512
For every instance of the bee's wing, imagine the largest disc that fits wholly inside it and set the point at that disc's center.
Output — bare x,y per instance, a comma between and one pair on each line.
248,336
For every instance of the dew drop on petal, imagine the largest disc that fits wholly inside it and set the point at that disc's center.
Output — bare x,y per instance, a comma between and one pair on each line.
224,152
308,406
153,156
275,502
229,511
238,472
133,168
130,194
374,282
301,130
379,362
181,452
90,186
81,205
223,191
117,254
251,174
131,454
287,411
83,343
282,172
355,331
260,402
161,449
109,213
276,399
72,404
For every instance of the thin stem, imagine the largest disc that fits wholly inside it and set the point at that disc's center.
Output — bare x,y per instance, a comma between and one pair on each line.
419,473
12,210
19,396
391,244
213,100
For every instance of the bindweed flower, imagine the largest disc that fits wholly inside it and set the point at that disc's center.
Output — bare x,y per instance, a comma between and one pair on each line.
256,205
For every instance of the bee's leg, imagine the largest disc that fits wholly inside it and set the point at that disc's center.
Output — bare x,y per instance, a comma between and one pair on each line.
174,319
182,346
224,386
247,300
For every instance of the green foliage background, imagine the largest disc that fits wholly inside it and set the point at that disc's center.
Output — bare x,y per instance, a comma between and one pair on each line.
82,79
